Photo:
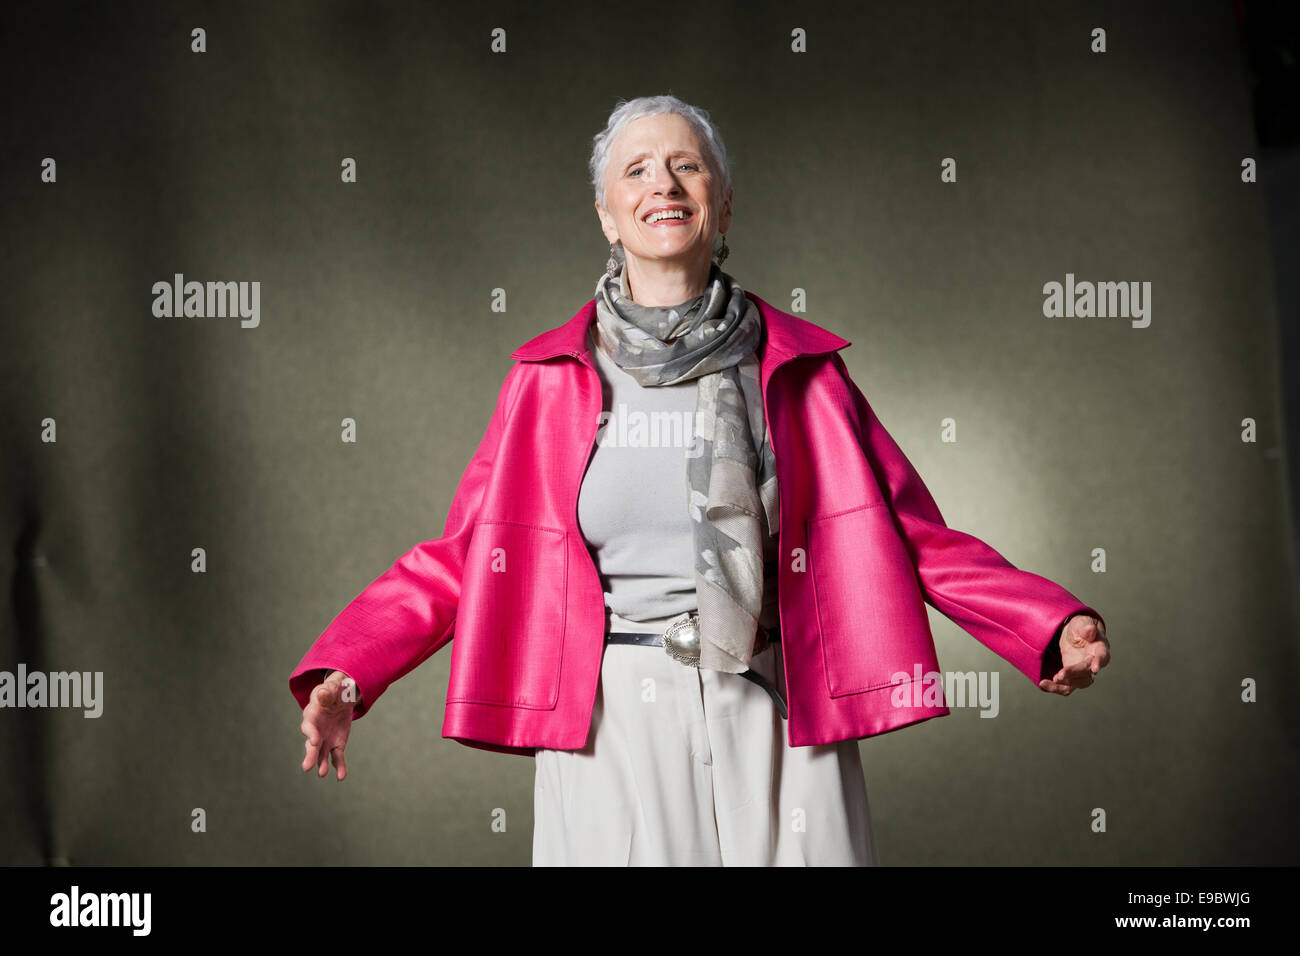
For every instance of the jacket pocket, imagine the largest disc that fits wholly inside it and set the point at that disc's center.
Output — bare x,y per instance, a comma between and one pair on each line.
869,606
509,640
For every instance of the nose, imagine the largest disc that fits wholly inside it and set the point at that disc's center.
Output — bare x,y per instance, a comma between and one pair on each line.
665,180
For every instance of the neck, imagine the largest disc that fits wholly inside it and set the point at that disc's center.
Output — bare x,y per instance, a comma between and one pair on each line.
663,282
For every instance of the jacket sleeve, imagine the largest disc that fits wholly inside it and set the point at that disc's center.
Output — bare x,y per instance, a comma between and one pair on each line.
1016,614
409,611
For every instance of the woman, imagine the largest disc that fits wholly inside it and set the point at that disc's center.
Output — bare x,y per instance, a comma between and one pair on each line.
752,546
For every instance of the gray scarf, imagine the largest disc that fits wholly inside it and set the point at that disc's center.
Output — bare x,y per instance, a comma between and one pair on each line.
730,477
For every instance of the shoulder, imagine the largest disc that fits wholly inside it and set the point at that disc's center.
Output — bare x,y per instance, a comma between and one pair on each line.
794,335
567,338
795,325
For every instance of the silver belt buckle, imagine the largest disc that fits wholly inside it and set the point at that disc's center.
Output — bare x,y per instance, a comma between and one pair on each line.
682,640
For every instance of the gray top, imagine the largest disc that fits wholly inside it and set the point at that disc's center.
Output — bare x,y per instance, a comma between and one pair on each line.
632,504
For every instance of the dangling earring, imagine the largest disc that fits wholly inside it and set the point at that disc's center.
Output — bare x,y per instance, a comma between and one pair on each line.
723,251
613,265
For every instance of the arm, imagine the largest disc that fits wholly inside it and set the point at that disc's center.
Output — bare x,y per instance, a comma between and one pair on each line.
408,612
1016,614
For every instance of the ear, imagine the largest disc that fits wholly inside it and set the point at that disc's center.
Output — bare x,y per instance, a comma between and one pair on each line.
607,224
724,217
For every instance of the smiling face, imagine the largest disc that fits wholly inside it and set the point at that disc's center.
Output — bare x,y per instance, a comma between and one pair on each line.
657,164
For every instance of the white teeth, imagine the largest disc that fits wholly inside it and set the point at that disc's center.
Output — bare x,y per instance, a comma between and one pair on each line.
666,214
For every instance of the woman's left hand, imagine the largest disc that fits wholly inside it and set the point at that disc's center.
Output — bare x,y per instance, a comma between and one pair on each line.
1084,652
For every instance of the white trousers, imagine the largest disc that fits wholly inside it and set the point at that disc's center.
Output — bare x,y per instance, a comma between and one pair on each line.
690,767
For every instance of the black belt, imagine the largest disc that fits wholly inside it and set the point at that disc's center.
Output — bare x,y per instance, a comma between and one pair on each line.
657,640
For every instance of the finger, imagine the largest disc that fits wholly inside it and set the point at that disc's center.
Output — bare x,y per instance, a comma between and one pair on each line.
1072,672
1078,678
1079,631
309,759
308,728
1067,683
340,764
310,744
324,695
1085,631
323,765
1096,660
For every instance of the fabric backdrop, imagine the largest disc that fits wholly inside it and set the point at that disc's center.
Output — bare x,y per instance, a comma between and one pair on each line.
1076,438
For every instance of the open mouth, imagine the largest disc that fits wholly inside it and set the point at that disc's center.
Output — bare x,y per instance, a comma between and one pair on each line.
670,217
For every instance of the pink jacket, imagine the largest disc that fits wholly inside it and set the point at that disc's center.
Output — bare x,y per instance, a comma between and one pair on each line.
862,542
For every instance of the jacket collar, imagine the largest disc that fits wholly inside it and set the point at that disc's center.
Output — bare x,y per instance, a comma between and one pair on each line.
785,337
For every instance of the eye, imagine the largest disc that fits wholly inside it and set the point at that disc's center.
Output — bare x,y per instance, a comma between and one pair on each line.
688,165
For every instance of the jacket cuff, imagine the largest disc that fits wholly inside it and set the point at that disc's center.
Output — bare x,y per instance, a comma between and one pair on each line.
306,678
1052,654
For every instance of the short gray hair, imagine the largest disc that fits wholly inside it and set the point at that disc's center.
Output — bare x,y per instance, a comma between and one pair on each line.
625,111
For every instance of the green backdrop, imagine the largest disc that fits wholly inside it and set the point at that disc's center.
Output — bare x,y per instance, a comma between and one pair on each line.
375,304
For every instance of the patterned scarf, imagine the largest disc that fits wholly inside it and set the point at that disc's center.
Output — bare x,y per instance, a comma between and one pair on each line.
730,478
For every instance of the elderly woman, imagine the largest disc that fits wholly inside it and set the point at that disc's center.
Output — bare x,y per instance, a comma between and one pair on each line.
687,565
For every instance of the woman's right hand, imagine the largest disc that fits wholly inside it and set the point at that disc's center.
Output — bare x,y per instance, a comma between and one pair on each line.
326,722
